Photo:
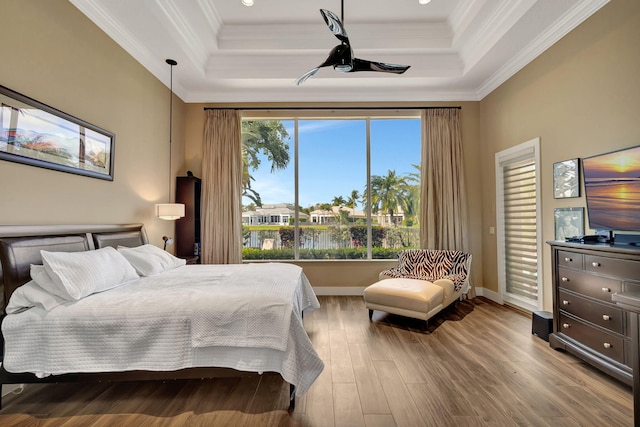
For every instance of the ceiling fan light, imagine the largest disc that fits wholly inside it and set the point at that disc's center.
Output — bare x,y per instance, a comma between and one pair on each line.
423,1
247,2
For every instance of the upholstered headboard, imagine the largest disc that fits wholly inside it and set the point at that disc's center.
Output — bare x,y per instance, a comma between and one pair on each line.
20,246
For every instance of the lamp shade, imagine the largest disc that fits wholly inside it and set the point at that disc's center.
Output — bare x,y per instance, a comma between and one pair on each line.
169,211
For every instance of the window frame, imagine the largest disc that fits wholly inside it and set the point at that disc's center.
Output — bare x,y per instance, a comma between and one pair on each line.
526,151
367,115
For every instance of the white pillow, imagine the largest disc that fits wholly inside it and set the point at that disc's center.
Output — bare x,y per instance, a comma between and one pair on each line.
77,274
31,295
42,279
149,260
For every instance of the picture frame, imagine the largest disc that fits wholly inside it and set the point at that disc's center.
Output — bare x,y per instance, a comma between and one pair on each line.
566,179
33,133
568,222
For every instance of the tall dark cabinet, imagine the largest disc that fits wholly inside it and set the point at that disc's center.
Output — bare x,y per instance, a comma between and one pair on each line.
188,228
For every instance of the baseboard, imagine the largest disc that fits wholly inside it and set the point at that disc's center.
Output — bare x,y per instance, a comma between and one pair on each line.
339,290
489,294
358,291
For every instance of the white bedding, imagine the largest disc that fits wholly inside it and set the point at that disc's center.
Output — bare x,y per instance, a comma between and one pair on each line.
166,322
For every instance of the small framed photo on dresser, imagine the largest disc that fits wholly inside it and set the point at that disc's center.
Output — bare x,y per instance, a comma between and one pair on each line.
569,222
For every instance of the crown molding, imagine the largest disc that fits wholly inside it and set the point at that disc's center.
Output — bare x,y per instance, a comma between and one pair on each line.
463,16
112,28
193,46
211,15
555,32
102,18
493,29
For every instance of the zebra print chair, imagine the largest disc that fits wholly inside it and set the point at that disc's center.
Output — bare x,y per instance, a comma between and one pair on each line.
424,282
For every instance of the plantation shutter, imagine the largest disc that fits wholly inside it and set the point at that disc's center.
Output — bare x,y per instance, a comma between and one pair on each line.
521,247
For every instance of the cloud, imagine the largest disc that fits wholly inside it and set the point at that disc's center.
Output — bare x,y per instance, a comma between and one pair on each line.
311,126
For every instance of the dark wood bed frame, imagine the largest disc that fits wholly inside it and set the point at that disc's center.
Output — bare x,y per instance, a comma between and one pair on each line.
20,247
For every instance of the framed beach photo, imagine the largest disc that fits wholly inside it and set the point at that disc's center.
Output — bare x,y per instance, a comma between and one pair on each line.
569,222
36,134
566,179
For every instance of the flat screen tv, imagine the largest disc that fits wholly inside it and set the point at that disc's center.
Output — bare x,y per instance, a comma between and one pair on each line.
612,189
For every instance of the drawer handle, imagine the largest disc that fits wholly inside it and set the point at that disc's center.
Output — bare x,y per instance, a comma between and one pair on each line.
606,317
607,345
566,325
595,264
565,302
565,279
606,289
567,259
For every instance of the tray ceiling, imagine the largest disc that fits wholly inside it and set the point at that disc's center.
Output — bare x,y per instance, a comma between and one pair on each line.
226,52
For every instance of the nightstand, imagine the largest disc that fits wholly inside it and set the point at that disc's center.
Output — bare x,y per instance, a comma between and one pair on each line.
191,259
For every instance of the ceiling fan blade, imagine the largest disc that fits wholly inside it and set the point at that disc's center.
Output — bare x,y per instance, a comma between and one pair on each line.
335,26
306,75
364,65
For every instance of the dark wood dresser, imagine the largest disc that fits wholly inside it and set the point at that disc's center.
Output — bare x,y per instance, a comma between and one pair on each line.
586,322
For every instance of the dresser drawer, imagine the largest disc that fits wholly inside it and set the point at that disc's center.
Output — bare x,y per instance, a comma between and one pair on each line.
602,342
612,266
605,315
631,286
594,286
570,259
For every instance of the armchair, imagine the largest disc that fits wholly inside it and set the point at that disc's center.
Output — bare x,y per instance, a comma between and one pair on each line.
424,282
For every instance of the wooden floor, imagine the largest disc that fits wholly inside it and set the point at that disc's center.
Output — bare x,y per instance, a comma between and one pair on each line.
477,364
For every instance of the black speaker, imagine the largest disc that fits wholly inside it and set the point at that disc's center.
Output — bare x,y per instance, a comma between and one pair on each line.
542,324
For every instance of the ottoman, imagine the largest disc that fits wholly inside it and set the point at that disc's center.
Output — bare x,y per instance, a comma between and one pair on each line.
419,299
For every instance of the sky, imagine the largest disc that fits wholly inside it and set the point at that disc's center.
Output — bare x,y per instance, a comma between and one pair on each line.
620,164
332,159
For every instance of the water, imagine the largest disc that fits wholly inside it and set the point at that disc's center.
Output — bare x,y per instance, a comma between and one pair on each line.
614,203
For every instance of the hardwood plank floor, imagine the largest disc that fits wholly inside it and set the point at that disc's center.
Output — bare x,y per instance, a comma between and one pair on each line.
477,364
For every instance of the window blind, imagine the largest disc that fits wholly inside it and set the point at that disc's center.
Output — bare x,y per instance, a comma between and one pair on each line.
521,254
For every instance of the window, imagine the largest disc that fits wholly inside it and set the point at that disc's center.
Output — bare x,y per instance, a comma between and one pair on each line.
341,187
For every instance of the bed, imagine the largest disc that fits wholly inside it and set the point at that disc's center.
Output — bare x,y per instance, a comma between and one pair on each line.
188,321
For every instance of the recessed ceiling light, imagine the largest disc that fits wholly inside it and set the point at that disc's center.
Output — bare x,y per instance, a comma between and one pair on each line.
423,1
250,2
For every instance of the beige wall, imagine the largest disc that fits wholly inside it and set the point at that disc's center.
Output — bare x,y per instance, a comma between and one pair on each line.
345,274
51,52
581,97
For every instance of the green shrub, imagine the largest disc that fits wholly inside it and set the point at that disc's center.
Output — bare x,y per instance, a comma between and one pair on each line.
359,235
287,236
328,254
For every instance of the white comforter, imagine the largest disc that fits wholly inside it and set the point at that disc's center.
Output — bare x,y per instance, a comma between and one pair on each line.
245,317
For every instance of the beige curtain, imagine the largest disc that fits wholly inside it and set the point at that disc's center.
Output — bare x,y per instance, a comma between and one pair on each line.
221,210
443,204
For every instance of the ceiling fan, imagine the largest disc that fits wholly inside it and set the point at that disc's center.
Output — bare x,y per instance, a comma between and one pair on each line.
341,57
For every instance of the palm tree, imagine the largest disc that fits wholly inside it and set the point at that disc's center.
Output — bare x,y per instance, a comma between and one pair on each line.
353,199
413,179
388,193
338,201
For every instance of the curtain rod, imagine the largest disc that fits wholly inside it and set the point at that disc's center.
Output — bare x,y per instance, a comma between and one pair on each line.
331,108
